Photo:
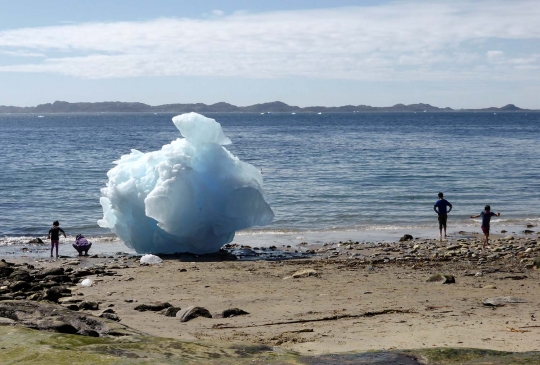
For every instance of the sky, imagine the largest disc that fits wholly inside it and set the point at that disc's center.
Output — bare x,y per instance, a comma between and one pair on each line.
461,54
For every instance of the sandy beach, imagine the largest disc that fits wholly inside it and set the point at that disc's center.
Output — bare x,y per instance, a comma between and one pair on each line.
342,297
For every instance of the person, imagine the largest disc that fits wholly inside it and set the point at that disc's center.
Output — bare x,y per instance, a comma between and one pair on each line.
54,236
82,245
440,208
486,217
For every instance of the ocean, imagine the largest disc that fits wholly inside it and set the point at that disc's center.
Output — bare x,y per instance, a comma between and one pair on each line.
343,173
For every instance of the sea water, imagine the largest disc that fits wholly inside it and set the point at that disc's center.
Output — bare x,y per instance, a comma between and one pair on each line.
329,175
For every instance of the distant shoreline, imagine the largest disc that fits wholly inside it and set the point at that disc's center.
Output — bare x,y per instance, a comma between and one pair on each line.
63,107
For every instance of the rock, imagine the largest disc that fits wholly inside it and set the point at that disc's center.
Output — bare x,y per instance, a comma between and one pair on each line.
529,225
87,305
528,231
51,271
35,296
5,269
36,240
89,333
154,307
442,279
108,310
7,321
55,292
499,301
19,285
406,237
453,247
508,238
54,317
536,262
111,316
192,312
490,286
304,273
82,272
21,275
69,300
171,311
232,312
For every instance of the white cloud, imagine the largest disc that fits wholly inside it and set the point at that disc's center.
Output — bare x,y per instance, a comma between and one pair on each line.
395,41
494,54
218,12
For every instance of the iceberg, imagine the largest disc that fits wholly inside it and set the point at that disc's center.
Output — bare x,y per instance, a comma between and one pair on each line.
191,196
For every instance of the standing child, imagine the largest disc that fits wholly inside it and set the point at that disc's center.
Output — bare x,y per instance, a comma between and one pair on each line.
440,208
486,217
54,236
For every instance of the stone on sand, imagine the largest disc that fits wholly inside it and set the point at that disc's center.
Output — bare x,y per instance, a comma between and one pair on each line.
192,312
442,279
499,301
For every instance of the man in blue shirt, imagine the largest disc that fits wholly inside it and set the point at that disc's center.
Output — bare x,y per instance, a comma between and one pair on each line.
440,208
486,218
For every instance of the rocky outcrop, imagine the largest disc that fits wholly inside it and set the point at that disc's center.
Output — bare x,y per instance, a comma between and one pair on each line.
48,316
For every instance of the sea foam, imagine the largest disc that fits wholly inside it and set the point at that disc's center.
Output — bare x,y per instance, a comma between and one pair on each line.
191,196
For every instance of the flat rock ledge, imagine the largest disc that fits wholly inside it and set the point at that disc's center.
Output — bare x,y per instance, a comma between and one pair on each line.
47,316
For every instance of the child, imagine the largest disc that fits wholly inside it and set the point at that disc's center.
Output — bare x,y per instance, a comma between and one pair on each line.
440,208
82,245
54,236
486,217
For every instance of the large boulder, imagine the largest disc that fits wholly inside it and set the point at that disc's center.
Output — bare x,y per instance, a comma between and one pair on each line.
192,312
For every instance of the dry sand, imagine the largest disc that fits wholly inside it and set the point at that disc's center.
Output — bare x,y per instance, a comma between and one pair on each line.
326,312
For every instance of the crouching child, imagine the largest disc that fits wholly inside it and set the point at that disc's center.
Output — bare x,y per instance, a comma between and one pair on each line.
82,245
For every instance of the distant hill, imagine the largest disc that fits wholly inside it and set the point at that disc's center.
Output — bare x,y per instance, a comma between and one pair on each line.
222,107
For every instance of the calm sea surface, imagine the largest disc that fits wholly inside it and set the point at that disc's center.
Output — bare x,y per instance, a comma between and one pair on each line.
325,172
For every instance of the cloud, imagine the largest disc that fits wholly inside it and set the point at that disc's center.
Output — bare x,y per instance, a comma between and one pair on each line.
394,41
494,54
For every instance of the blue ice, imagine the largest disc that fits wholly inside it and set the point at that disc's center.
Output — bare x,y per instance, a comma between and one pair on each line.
191,196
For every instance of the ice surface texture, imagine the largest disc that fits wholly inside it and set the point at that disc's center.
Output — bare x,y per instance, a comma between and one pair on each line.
191,196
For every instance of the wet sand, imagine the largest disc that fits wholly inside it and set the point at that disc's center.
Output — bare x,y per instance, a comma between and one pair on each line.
358,296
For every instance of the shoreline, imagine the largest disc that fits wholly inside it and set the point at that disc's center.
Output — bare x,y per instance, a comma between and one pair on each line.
11,246
342,297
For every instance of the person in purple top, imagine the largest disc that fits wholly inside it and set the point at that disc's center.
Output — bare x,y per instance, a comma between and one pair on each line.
486,218
440,208
82,245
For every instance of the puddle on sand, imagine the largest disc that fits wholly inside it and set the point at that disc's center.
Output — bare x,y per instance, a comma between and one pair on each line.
371,358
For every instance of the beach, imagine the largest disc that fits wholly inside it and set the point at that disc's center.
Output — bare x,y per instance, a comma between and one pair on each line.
328,298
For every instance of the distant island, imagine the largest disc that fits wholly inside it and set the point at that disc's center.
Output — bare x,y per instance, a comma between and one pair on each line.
222,107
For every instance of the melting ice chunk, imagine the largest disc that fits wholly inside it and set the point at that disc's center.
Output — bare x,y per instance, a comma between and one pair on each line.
191,196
